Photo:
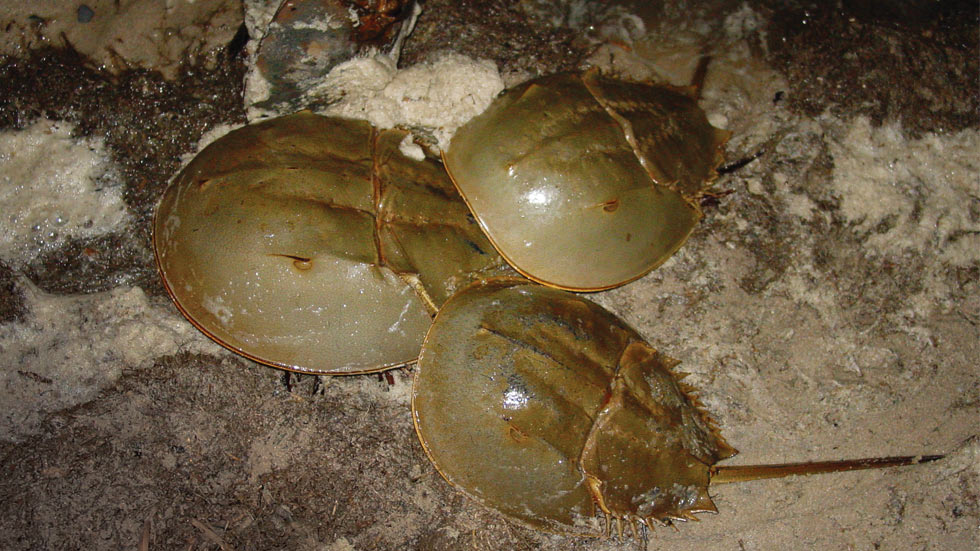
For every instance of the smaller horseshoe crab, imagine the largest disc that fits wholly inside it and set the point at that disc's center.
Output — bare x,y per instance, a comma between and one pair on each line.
585,182
546,407
313,244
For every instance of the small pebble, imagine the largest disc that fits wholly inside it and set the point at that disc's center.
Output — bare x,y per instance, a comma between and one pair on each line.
85,14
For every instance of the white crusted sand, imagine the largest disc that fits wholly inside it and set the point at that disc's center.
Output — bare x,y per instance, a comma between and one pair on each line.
71,347
52,188
922,190
438,96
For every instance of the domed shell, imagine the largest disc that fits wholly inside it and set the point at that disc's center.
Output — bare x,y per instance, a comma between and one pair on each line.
546,407
313,244
585,182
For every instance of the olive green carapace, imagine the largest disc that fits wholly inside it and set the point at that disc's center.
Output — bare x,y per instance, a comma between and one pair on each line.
585,182
313,244
546,407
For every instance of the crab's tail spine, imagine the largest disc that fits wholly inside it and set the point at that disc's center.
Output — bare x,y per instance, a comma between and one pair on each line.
700,72
740,473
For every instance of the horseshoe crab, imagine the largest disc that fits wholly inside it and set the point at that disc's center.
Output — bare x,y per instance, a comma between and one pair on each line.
546,407
584,182
314,245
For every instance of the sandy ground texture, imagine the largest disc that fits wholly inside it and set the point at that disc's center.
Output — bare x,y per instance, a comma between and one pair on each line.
827,307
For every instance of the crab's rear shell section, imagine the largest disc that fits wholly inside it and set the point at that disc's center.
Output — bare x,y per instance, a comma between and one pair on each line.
313,244
585,182
546,407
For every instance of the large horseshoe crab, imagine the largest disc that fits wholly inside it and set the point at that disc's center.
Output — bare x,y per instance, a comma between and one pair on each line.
544,406
313,244
585,182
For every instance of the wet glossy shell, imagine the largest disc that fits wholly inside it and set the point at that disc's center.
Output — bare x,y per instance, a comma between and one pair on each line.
584,182
312,244
546,407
